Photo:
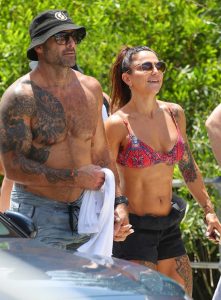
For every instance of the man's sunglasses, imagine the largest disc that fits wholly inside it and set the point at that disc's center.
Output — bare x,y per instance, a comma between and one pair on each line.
62,38
149,66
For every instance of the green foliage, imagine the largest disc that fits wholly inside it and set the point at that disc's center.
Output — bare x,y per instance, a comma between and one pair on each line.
185,33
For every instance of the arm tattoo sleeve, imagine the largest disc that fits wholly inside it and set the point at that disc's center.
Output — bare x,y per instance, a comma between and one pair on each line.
187,166
53,175
14,133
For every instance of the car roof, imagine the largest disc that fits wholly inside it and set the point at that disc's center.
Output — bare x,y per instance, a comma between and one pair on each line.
27,264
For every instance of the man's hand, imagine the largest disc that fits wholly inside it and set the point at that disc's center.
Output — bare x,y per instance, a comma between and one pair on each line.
213,227
122,228
89,177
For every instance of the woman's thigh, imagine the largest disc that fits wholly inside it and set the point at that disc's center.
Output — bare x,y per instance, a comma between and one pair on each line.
179,269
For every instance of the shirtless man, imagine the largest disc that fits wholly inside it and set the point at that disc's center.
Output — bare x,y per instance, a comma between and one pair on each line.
213,126
52,139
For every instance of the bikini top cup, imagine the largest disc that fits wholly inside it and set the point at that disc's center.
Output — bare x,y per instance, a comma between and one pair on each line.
137,154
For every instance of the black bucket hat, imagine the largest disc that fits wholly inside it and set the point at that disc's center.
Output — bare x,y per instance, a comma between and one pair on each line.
47,24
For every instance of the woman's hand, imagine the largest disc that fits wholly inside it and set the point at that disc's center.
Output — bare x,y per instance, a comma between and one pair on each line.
213,227
122,228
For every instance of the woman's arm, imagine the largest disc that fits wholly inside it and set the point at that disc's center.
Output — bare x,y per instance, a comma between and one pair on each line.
6,189
193,178
115,134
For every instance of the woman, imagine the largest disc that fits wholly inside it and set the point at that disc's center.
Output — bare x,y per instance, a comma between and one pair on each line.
147,137
5,193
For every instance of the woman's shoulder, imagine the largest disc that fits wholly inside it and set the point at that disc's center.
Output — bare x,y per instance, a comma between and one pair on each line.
175,108
178,114
116,119
115,122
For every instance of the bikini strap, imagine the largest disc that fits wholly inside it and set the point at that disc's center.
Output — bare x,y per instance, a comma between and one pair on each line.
129,129
174,119
180,145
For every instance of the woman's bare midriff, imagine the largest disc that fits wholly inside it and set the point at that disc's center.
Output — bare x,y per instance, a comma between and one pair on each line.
147,190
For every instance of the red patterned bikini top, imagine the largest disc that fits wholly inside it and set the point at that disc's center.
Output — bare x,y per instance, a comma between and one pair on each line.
137,154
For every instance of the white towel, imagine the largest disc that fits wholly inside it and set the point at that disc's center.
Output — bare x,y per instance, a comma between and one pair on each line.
217,294
96,217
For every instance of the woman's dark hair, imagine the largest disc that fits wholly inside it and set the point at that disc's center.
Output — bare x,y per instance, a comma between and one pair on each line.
120,92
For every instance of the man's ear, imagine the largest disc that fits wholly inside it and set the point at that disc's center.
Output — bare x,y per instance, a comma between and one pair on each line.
39,49
127,79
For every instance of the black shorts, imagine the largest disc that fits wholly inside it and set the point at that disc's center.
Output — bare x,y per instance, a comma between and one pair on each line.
154,238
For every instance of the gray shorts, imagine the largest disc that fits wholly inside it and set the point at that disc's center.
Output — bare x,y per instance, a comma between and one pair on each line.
56,222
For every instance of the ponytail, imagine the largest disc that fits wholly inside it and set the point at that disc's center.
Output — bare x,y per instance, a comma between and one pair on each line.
120,92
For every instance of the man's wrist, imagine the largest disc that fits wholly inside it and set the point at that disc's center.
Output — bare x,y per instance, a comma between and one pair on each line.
121,200
74,173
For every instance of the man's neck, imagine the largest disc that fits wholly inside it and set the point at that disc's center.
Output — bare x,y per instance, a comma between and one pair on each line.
54,76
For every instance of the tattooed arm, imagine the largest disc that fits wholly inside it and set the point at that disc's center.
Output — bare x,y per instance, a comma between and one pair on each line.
24,163
193,177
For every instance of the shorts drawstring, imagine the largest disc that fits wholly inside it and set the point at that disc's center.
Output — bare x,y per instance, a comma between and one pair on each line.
73,210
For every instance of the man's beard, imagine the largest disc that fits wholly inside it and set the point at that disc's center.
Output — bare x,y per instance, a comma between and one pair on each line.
60,60
68,61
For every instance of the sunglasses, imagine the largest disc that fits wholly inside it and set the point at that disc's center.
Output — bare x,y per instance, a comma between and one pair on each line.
149,66
62,38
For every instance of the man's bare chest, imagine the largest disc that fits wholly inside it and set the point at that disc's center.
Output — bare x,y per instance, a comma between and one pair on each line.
62,114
